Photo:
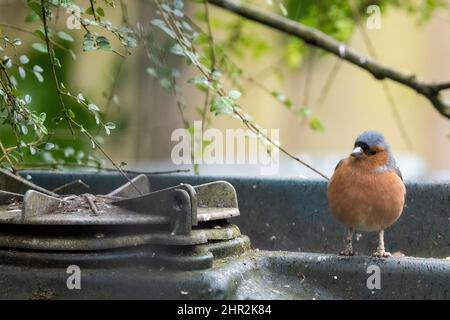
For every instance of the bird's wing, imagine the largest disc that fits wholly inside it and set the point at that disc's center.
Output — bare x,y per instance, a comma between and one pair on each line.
339,164
398,172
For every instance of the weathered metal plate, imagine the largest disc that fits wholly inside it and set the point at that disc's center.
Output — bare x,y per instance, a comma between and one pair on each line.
106,241
113,216
37,204
139,186
210,214
219,194
159,202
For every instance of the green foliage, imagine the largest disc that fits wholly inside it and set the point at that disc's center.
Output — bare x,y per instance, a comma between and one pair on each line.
30,115
337,17
38,105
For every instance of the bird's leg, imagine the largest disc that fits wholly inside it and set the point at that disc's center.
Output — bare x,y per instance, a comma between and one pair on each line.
349,247
381,253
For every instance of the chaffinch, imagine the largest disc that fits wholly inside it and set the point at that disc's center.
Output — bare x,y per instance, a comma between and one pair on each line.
367,192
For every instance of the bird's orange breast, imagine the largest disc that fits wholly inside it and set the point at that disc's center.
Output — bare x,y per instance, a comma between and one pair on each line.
365,200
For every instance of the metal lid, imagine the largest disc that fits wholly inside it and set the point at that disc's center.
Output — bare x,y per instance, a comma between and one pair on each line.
180,215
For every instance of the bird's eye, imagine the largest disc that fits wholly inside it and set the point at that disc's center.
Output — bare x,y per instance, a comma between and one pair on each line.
371,152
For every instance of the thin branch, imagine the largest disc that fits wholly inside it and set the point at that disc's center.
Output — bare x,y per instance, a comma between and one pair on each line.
76,182
124,9
441,86
308,77
56,166
11,194
112,92
52,64
329,83
91,2
387,90
6,155
27,183
31,33
213,62
171,23
321,40
125,21
90,200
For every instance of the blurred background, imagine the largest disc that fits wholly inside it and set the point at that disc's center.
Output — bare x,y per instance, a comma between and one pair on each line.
330,101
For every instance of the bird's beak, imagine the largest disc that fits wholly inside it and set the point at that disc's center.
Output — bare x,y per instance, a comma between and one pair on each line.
358,152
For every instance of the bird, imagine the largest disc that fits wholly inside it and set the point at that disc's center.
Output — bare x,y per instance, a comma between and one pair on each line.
366,192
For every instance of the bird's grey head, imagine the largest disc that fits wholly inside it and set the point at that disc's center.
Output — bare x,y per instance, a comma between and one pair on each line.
369,144
371,139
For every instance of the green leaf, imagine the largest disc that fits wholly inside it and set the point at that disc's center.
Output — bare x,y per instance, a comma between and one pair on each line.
35,7
65,36
110,125
31,18
70,114
178,50
222,105
200,81
103,43
100,12
93,107
40,33
316,125
40,47
235,94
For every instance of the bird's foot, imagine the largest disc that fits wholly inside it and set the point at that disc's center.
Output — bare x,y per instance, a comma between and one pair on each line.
347,253
382,254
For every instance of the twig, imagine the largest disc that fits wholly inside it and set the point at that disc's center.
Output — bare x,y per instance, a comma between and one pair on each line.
124,9
31,33
80,182
6,155
391,101
93,10
113,89
125,21
52,65
27,183
213,62
89,199
321,40
441,86
45,165
13,194
308,77
105,154
329,83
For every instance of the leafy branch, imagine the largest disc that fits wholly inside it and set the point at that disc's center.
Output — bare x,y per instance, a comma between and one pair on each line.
52,60
69,116
316,38
226,103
